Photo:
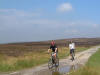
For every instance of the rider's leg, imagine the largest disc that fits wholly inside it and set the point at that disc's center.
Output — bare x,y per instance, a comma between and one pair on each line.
55,55
71,53
52,57
74,52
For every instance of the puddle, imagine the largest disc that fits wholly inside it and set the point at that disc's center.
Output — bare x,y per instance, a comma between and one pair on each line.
67,69
58,71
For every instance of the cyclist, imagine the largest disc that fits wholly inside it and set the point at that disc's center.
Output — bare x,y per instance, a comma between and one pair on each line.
54,49
72,48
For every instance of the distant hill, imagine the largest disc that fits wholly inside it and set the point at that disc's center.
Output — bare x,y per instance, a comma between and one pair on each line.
16,49
63,42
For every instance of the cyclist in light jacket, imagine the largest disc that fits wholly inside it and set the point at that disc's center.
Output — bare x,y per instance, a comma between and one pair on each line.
72,48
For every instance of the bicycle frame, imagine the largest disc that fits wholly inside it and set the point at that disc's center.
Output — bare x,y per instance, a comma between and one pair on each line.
53,61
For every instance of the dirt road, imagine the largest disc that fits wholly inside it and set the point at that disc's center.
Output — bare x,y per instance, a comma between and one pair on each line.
66,65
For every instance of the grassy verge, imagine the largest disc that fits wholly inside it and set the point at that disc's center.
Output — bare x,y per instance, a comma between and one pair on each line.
92,67
32,59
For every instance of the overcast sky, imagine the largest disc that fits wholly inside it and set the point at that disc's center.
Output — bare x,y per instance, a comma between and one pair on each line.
38,20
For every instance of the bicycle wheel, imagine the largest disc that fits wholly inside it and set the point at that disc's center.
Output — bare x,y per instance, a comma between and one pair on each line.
50,64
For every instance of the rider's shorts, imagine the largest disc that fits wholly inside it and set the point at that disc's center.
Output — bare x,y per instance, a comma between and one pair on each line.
54,53
71,50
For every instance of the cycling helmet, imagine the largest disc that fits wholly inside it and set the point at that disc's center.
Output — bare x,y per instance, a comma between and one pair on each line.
52,43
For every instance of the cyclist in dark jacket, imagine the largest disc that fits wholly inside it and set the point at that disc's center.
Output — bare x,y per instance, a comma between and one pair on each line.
54,49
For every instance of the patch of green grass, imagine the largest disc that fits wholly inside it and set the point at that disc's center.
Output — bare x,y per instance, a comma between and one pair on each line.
6,67
23,64
92,66
63,52
31,59
79,49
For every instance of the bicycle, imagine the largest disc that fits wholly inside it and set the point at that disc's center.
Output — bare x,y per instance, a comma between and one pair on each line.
52,61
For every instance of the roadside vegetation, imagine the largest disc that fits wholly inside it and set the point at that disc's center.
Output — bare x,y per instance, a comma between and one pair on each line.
92,66
32,59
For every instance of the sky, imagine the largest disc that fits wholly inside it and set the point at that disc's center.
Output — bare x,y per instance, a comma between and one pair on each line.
39,20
